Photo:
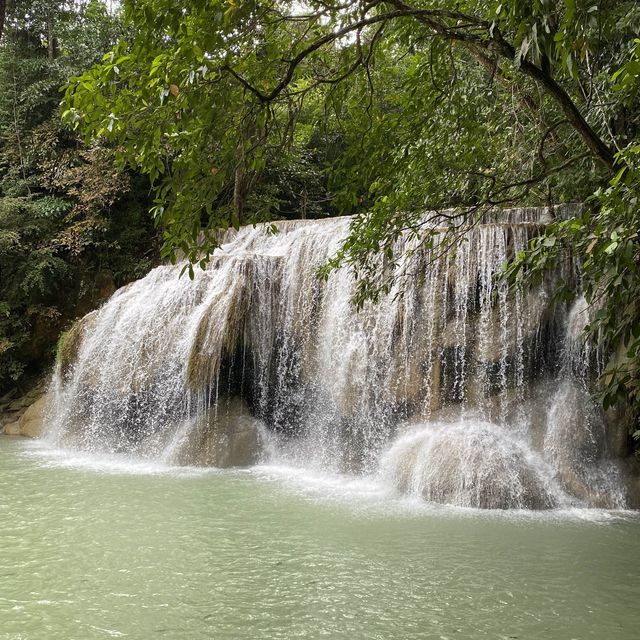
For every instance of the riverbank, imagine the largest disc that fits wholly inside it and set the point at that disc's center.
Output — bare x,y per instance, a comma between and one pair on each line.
24,414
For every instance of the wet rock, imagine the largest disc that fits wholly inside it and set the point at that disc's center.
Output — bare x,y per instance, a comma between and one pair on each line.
576,431
457,333
18,404
33,420
470,464
12,429
454,379
69,344
498,335
8,396
632,477
7,418
217,338
575,444
407,382
224,436
620,421
12,412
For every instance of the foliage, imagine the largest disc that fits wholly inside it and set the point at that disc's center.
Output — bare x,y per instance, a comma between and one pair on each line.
72,225
606,242
413,108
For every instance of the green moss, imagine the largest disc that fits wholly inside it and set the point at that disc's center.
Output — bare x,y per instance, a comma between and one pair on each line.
60,346
69,345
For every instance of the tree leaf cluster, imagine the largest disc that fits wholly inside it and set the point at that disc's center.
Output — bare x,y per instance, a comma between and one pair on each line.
72,224
404,109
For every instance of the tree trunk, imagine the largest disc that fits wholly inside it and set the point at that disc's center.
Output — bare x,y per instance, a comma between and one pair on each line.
239,195
51,39
3,13
244,176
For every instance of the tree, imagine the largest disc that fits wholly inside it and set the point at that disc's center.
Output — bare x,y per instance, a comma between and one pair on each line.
3,13
72,225
606,238
484,104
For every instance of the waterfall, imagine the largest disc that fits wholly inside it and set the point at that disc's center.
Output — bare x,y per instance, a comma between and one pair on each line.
441,388
575,441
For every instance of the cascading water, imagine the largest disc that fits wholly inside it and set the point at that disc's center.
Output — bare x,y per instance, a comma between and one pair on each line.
575,441
442,388
472,464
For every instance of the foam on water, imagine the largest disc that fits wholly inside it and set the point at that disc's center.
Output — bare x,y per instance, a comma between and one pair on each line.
370,496
107,463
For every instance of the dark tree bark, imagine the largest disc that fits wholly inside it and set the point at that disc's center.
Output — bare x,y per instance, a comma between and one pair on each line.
52,46
3,13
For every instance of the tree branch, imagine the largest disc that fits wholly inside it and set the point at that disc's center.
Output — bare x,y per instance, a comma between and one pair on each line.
542,76
305,53
597,146
475,34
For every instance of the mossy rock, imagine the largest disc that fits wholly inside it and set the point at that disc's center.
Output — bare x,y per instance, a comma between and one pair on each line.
69,344
223,436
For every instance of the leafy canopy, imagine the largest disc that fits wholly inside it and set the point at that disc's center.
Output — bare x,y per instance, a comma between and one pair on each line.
395,108
204,96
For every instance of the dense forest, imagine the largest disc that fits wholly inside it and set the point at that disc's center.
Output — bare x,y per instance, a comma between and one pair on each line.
73,226
213,114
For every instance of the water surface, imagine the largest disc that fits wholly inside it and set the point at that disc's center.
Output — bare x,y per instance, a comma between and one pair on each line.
101,548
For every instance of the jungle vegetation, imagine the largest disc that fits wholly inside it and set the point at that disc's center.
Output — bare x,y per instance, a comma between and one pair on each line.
72,225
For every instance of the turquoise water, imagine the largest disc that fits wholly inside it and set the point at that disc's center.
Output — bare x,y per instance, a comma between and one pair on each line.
95,548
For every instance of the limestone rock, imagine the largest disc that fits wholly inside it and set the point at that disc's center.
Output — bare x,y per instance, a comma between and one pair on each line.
470,464
228,436
620,421
33,421
632,476
69,343
7,417
7,397
575,444
12,429
16,405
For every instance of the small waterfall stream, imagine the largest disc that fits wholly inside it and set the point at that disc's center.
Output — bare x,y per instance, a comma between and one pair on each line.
451,387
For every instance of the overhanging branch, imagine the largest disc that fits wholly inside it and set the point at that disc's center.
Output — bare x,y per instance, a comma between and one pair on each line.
474,33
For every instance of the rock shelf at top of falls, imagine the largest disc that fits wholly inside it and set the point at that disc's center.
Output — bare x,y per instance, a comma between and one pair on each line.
256,357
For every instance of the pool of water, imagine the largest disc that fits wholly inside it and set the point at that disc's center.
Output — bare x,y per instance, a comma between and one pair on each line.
104,548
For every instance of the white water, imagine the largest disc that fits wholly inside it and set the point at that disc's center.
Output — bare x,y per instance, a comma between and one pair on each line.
442,391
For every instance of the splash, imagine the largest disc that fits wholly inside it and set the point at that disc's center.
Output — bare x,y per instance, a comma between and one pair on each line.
472,464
